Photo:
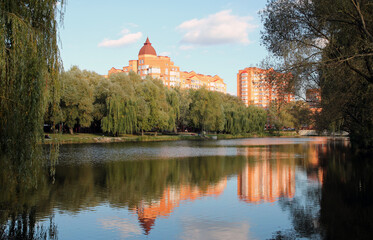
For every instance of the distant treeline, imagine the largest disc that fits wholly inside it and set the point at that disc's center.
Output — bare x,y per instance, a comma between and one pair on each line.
128,104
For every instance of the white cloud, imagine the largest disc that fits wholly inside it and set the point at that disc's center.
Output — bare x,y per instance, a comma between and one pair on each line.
124,226
218,28
186,47
197,229
165,54
124,31
126,39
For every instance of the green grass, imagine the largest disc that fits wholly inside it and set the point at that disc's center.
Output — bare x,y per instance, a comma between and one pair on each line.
100,138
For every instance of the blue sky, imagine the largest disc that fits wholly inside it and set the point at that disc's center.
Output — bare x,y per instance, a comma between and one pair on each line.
210,37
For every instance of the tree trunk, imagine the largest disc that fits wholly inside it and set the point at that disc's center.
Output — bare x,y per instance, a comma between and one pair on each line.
142,132
71,130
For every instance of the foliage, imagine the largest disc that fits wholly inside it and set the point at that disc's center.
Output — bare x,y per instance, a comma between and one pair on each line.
76,98
29,68
301,114
125,103
206,111
294,114
328,45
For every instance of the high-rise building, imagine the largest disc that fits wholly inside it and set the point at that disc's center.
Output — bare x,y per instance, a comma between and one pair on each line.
258,87
161,67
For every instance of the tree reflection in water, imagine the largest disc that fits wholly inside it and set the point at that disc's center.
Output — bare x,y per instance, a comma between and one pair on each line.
341,207
123,184
347,195
335,203
20,189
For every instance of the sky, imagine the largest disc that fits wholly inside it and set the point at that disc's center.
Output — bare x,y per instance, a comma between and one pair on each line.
209,37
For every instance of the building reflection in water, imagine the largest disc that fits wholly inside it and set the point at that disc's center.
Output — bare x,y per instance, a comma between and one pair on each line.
171,198
267,178
270,171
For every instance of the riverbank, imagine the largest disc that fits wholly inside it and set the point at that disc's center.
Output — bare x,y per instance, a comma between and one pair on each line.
99,138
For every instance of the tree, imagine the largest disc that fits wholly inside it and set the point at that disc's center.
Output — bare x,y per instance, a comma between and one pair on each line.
279,116
301,114
121,116
155,96
257,118
174,109
328,45
185,101
206,112
120,105
76,99
29,68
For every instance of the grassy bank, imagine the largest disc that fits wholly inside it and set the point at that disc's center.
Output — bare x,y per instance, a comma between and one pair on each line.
250,135
99,138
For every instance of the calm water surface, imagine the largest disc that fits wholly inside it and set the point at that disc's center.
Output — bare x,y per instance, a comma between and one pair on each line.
265,188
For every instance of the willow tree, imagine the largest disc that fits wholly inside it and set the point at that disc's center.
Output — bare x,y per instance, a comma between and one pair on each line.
121,116
174,109
29,67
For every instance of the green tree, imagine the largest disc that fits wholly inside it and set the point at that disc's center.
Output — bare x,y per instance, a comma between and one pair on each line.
185,101
120,105
257,118
29,68
206,112
76,99
174,109
235,114
301,114
278,116
329,45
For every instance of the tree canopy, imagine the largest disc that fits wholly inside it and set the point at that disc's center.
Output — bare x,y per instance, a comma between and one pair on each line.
328,45
126,104
29,68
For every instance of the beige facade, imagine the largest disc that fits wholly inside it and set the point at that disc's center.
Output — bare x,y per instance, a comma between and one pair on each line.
161,67
195,81
254,87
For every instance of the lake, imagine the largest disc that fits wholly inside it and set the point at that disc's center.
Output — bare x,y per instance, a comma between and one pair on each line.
255,188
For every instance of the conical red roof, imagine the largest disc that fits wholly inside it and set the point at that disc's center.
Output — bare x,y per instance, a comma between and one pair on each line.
147,48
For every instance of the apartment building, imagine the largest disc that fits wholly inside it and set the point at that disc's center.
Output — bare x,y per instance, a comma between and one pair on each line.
195,81
257,86
161,67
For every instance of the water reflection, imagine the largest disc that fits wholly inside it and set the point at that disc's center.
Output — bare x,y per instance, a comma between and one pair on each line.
19,205
266,181
315,189
172,197
347,194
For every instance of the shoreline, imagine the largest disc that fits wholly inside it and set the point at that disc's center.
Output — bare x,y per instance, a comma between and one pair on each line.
79,138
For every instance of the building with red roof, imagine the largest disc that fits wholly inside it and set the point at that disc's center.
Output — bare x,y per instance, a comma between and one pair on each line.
161,67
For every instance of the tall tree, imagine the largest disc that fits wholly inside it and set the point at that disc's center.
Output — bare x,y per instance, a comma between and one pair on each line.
328,44
76,98
29,67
